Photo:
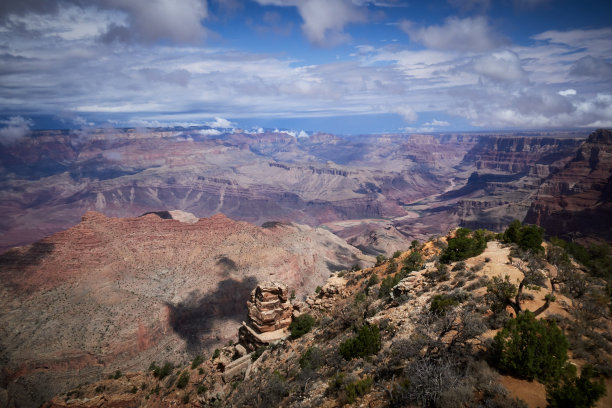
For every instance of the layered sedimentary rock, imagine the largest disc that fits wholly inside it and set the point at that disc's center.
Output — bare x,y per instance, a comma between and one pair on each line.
577,200
49,179
116,294
270,314
496,182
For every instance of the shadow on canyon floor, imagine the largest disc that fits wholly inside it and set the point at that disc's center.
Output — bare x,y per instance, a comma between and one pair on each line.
193,317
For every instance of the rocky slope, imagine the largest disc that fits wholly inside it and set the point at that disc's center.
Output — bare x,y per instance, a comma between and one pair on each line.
577,201
310,371
114,294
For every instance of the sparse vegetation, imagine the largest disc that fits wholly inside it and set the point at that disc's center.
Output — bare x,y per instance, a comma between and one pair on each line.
527,237
183,380
413,262
199,359
441,303
301,325
367,342
576,392
530,348
465,244
436,358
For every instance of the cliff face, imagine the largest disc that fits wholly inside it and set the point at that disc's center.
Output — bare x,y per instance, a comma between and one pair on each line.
577,200
113,294
495,183
518,154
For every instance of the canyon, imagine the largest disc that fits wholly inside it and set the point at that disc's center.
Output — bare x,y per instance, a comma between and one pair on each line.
376,191
126,246
115,294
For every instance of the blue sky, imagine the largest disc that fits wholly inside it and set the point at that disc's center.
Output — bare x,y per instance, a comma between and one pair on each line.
342,66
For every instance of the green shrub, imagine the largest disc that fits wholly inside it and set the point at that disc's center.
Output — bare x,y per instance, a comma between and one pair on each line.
528,237
360,297
183,380
258,352
357,389
531,349
311,359
367,342
597,257
301,325
185,398
318,289
373,280
464,245
197,361
413,262
216,354
397,254
440,274
440,304
202,388
576,392
380,259
117,375
161,372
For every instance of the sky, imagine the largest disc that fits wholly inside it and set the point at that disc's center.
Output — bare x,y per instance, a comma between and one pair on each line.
341,66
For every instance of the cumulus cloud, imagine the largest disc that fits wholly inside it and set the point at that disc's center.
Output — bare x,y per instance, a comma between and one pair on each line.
499,66
146,20
220,123
324,20
15,128
467,34
407,112
154,20
592,67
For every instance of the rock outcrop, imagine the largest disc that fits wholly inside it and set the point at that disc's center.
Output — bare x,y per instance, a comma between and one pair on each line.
270,314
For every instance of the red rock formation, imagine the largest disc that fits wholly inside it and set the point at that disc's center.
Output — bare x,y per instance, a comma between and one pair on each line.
577,201
270,314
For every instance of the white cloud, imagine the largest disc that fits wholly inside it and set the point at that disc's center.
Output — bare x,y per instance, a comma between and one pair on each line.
437,123
152,20
500,66
324,20
209,132
466,35
407,112
220,123
16,128
567,92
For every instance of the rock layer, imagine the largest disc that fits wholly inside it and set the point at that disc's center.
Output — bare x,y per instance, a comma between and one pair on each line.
577,201
270,314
